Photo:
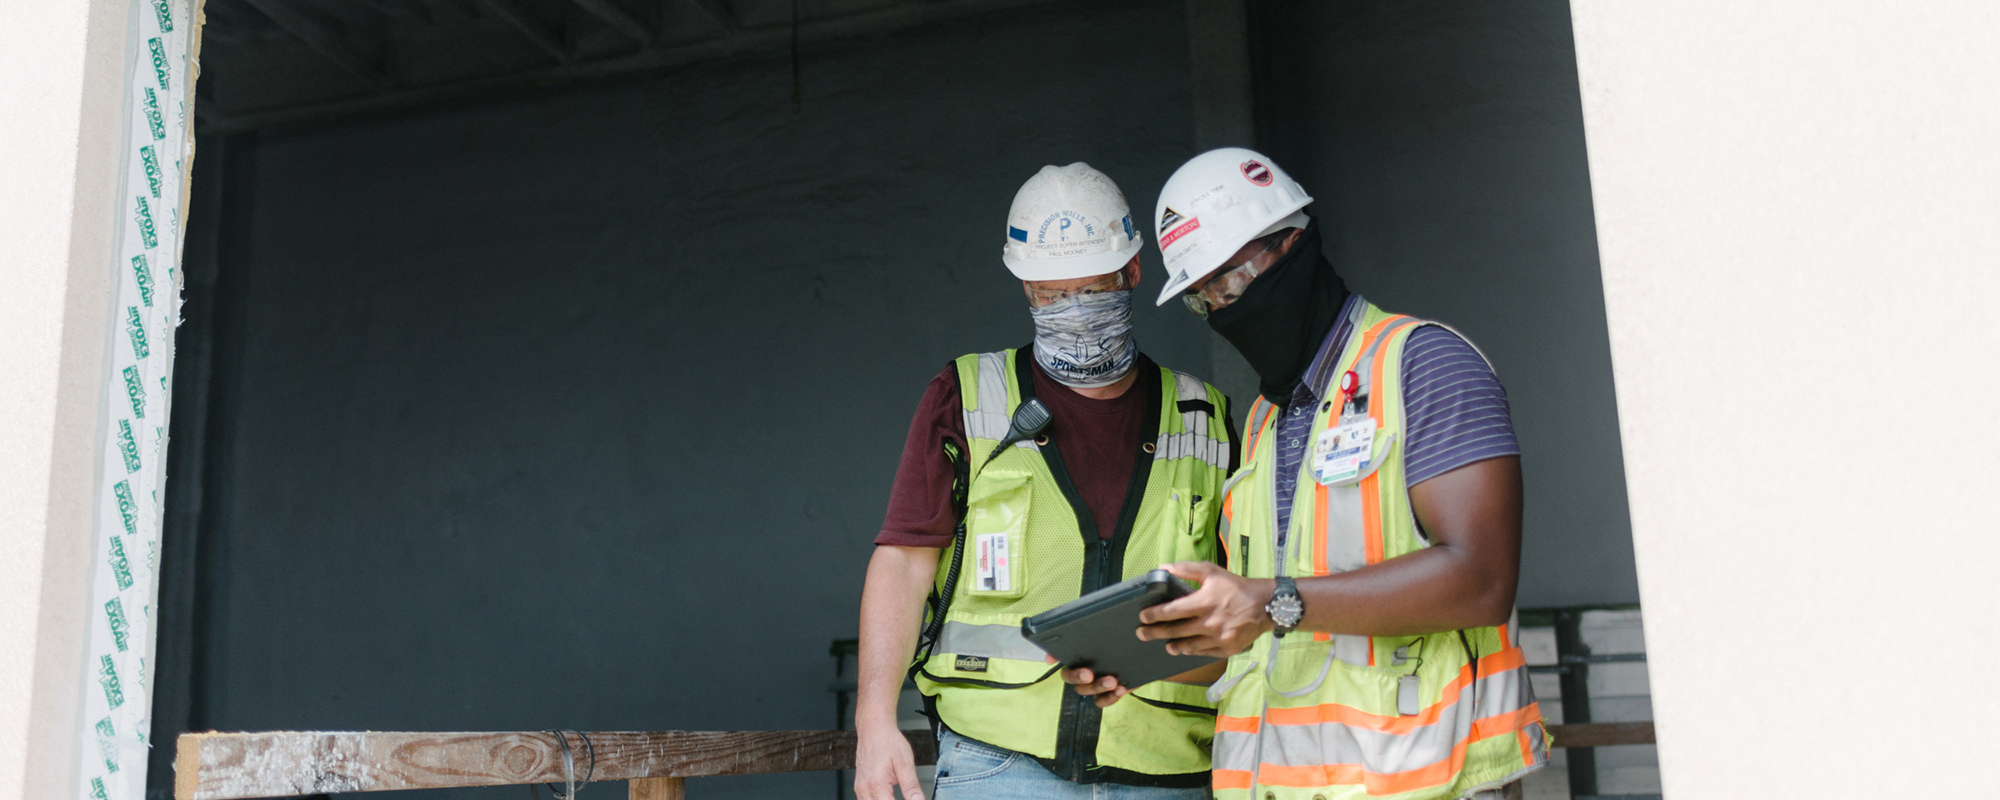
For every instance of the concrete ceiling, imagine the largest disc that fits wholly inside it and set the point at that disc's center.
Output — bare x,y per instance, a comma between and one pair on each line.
272,61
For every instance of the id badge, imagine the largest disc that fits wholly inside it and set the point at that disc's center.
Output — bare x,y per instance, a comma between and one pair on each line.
1341,452
994,569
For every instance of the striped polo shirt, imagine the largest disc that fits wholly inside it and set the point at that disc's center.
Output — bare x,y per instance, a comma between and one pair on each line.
1456,408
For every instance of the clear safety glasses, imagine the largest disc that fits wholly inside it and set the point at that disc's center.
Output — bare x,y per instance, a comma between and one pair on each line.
1229,281
1038,298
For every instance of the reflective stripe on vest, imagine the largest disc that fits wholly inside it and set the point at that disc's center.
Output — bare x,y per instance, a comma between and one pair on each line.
991,684
1348,716
1194,441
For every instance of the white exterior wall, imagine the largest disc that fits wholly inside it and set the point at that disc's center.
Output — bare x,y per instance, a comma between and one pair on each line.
93,151
1798,206
61,72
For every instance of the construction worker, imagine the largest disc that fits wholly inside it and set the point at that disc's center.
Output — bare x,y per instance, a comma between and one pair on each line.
1373,534
1126,475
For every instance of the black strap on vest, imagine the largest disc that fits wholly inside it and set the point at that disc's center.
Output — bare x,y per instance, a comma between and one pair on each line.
939,602
1078,727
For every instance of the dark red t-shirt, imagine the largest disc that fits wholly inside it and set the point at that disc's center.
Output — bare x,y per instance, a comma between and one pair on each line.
1099,441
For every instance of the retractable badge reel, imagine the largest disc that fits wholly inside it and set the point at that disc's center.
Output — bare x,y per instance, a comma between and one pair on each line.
1341,451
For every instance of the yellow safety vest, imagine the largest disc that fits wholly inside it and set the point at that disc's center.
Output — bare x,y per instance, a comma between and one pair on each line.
1342,717
989,683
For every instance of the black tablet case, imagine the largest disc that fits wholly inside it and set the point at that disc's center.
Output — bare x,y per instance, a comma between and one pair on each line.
1097,631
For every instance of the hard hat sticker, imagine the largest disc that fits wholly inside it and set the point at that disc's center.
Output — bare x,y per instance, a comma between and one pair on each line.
1017,234
1064,226
1169,217
1256,172
1177,233
1065,234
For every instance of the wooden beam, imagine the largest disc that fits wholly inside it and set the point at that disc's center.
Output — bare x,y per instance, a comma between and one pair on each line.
717,10
757,40
321,40
658,789
223,766
1602,734
400,11
512,12
617,17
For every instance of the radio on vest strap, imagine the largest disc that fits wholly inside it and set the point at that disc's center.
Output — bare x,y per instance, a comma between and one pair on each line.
1030,420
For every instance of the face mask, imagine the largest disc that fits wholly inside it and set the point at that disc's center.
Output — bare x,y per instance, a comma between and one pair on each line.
1283,316
1085,340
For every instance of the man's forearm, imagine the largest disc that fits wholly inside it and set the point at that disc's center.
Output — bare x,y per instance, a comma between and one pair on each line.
1465,579
1428,591
891,609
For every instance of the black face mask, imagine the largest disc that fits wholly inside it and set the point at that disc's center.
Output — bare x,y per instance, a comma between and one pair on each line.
1284,315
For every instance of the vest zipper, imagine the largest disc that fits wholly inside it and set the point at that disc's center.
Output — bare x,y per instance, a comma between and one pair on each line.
1079,712
1079,723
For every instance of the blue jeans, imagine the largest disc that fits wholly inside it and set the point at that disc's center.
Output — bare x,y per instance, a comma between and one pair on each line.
972,770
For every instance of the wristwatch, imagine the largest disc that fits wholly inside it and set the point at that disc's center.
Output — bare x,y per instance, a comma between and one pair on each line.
1285,608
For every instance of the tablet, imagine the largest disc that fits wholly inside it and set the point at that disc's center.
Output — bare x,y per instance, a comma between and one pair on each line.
1097,631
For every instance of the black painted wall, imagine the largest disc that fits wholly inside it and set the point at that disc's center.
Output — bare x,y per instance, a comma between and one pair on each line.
578,408
1443,143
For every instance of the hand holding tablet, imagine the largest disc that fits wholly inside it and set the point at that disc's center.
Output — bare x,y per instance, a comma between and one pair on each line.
1099,631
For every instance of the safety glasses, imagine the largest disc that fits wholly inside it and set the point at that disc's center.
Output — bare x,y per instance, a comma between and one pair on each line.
1230,281
1038,298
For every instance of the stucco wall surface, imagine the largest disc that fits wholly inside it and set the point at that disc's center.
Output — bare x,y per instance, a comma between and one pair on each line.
1443,144
59,142
1797,207
580,410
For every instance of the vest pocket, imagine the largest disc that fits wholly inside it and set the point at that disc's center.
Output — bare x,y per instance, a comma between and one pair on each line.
996,527
1190,533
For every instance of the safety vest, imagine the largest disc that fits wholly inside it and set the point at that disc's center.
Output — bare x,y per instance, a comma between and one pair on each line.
1317,716
1031,545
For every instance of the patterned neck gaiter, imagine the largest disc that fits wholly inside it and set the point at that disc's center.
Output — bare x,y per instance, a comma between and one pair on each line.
1086,341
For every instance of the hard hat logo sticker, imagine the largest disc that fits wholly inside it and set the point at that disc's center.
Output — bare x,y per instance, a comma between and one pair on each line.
1169,217
1256,172
1067,233
1063,221
1182,230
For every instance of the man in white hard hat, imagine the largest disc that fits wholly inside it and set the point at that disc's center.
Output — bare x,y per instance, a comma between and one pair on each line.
1125,475
1373,534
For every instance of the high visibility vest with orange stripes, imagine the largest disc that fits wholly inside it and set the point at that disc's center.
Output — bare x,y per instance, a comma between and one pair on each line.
1318,716
1027,551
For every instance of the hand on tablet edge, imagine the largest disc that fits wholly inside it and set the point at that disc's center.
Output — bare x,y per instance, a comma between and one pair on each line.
1219,619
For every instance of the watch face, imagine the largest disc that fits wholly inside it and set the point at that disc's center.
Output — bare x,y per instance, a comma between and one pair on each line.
1285,610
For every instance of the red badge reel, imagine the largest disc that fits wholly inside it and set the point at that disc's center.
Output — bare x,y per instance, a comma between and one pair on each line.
1349,384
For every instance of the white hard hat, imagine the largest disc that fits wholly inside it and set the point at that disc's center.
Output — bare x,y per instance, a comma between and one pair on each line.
1216,203
1069,222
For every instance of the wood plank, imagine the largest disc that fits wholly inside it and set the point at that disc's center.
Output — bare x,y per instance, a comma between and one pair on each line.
1602,734
222,766
658,789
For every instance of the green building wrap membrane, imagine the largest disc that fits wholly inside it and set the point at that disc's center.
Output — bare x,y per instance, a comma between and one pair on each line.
138,381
